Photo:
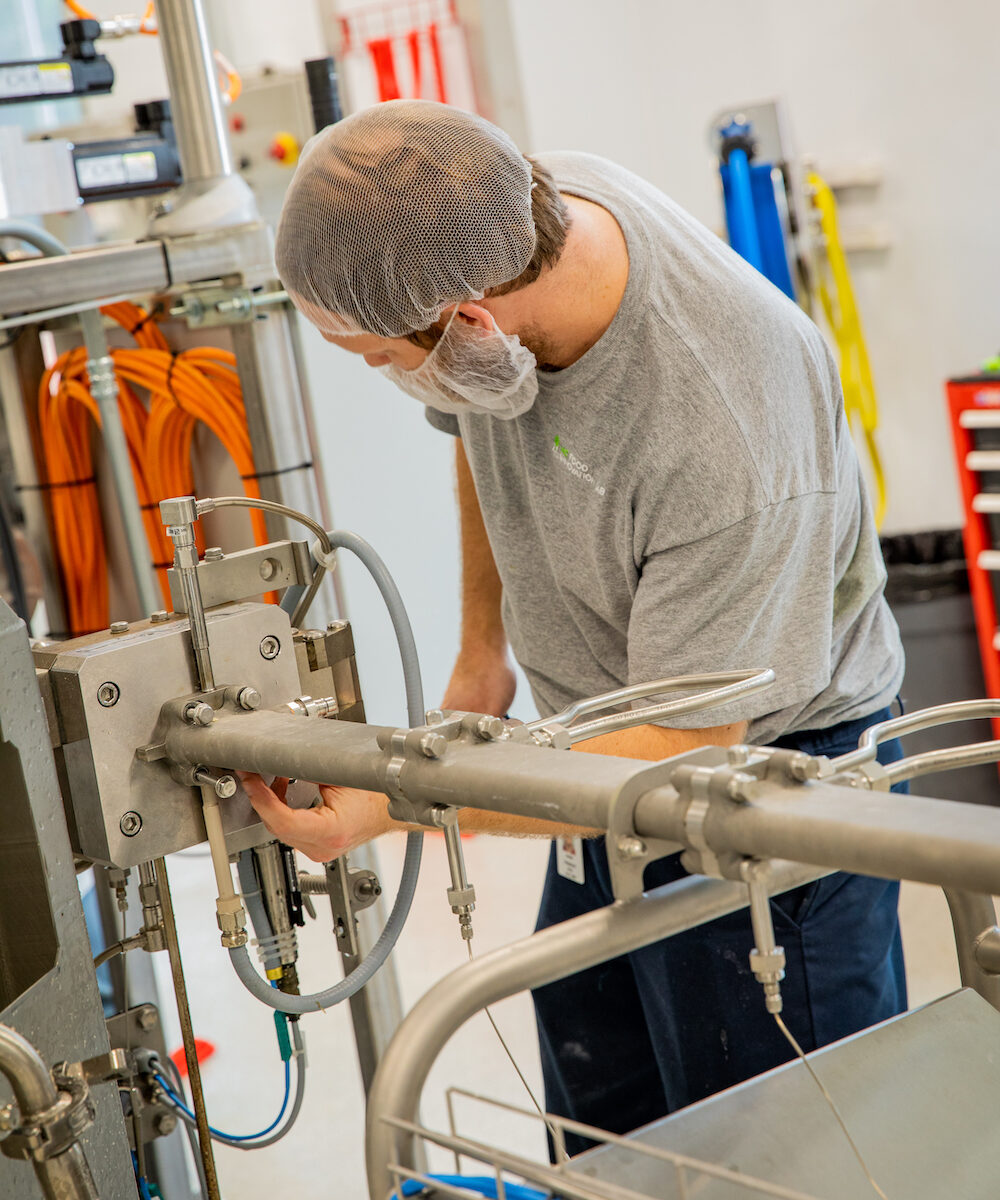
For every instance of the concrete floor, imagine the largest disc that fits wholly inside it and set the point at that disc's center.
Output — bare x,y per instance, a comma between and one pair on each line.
324,1153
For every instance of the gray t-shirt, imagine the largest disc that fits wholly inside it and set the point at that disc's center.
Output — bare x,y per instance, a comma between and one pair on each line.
686,496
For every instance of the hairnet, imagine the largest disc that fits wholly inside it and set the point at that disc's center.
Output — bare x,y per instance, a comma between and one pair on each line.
398,211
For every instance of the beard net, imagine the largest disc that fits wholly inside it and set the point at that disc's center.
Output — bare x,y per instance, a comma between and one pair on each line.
398,211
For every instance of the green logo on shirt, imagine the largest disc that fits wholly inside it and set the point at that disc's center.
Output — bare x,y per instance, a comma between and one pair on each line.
580,469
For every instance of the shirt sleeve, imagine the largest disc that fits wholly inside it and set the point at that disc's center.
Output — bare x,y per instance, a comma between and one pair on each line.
756,594
446,422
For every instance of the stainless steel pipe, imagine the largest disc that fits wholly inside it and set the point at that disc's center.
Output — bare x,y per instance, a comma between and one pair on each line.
67,1176
972,916
532,962
194,93
29,1077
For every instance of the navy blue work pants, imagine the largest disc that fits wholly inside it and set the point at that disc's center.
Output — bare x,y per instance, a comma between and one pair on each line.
630,1040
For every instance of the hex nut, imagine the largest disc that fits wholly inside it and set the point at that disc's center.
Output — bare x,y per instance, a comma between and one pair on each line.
108,694
213,554
117,627
490,729
270,647
248,698
199,713
158,617
433,745
631,847
130,824
146,1018
165,1123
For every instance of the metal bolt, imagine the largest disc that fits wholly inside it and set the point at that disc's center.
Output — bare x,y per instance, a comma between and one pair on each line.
107,695
738,756
367,887
433,745
248,698
146,1017
631,847
159,616
224,786
165,1123
213,554
268,568
269,647
335,626
434,716
490,728
117,627
130,824
199,713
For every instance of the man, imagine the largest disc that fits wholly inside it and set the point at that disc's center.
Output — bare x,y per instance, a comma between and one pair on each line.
655,477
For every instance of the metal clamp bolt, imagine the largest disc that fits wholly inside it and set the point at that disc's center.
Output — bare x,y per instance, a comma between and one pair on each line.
248,698
490,729
224,786
433,745
108,694
270,647
199,713
130,824
631,847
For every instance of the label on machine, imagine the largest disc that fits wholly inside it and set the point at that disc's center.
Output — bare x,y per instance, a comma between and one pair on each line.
109,170
34,79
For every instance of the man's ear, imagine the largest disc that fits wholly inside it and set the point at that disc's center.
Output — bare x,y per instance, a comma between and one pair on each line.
474,314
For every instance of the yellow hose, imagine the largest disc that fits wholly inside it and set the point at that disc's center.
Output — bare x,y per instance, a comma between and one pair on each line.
840,309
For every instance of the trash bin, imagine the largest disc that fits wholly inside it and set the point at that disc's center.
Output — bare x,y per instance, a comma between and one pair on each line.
928,591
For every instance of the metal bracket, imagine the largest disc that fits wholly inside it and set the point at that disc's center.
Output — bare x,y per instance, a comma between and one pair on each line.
629,854
350,892
242,574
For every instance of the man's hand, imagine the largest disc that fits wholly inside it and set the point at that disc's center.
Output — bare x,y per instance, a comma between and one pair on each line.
346,818
486,686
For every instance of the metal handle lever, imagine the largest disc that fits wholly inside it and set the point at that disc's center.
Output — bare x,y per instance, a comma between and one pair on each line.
713,690
925,718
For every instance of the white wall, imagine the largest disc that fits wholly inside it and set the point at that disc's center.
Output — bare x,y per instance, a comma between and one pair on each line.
908,86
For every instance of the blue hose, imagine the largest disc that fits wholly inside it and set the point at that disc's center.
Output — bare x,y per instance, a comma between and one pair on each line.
481,1185
232,1137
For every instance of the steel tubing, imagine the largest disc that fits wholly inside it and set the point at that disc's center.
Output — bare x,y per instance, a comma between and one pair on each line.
948,843
67,1176
29,1077
506,777
973,916
194,93
532,962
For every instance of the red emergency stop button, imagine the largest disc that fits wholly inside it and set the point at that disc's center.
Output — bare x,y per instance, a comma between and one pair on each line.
284,149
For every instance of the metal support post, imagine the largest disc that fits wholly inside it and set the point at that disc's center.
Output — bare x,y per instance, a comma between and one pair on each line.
194,95
179,516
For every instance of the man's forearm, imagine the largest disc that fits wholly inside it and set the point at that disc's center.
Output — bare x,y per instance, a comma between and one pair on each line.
482,625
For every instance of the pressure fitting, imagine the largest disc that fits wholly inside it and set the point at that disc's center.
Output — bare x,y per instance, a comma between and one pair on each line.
767,960
232,921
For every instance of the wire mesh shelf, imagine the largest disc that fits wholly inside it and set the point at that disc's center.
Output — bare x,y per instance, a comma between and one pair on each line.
564,1180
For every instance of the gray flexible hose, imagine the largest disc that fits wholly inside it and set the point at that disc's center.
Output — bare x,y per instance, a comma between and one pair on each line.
39,238
254,901
357,979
